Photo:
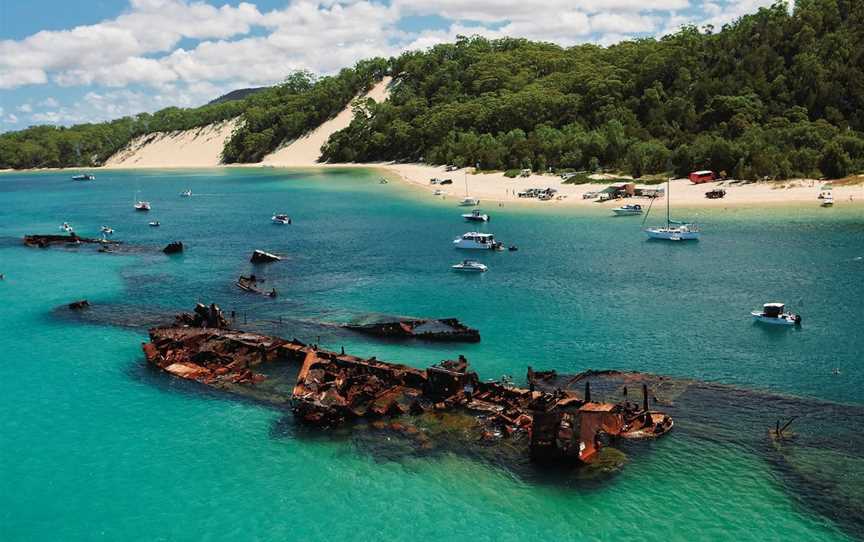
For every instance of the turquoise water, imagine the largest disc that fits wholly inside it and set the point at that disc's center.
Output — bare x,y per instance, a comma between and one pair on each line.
97,446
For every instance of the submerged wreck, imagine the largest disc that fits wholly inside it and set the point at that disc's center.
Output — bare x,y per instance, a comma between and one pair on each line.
45,241
332,389
443,329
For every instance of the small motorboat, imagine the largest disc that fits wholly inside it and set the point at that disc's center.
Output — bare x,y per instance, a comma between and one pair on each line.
513,248
66,227
154,224
627,210
84,177
186,194
438,193
827,199
106,230
142,205
469,202
281,219
382,180
775,313
469,265
476,216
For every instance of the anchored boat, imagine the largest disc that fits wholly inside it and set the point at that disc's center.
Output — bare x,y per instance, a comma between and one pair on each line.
469,265
775,313
473,240
476,216
281,219
629,209
673,230
84,177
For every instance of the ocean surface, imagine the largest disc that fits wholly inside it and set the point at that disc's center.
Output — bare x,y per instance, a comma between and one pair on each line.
94,445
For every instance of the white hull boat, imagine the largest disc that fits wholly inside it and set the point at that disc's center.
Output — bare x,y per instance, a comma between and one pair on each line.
775,314
673,231
469,202
186,194
469,266
281,219
142,206
66,227
476,216
106,230
476,241
627,210
154,224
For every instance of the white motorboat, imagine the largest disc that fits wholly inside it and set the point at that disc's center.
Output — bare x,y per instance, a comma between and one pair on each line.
469,265
827,200
476,216
477,241
469,202
281,219
438,193
84,177
154,224
673,230
106,230
142,206
66,227
775,313
629,209
186,193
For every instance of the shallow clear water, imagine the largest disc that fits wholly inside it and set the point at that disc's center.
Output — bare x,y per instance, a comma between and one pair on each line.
96,446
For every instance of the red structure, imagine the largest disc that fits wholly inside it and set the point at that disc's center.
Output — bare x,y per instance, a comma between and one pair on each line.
704,176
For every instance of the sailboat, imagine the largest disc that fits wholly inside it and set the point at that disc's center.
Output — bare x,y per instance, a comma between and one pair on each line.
673,230
468,201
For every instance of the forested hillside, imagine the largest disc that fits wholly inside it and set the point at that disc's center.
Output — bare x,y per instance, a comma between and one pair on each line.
774,94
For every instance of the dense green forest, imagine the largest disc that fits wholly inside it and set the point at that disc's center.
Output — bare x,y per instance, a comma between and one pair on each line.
775,94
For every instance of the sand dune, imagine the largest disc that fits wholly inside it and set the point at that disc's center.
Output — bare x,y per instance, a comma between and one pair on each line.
198,147
306,150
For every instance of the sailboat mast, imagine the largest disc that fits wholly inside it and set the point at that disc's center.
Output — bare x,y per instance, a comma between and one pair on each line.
668,197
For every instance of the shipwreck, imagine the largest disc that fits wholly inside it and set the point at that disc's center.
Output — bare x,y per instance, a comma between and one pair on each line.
442,329
331,389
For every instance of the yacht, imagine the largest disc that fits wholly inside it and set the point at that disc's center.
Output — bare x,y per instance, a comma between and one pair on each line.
775,313
106,230
476,216
142,206
469,265
629,209
186,193
281,219
469,202
84,177
477,241
674,231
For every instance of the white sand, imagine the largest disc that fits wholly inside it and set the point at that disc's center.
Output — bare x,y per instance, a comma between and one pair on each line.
198,147
495,187
305,151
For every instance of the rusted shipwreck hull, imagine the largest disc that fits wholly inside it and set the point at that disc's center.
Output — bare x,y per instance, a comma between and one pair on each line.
44,241
443,329
334,388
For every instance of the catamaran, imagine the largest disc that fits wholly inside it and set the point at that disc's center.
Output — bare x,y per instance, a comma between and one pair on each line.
775,313
673,230
469,265
477,241
476,216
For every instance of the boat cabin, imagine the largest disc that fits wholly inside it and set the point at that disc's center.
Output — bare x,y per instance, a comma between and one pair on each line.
483,238
773,310
703,176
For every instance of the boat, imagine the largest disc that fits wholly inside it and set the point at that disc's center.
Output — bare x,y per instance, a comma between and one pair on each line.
473,240
186,193
142,206
476,216
827,200
438,193
66,227
469,202
154,224
469,265
84,177
106,230
775,313
673,230
250,284
281,219
382,180
629,209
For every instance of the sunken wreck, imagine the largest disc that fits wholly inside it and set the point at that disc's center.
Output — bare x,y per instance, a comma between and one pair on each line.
333,389
442,329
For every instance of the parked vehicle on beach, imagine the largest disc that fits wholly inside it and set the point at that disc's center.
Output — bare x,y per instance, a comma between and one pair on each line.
717,193
704,176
